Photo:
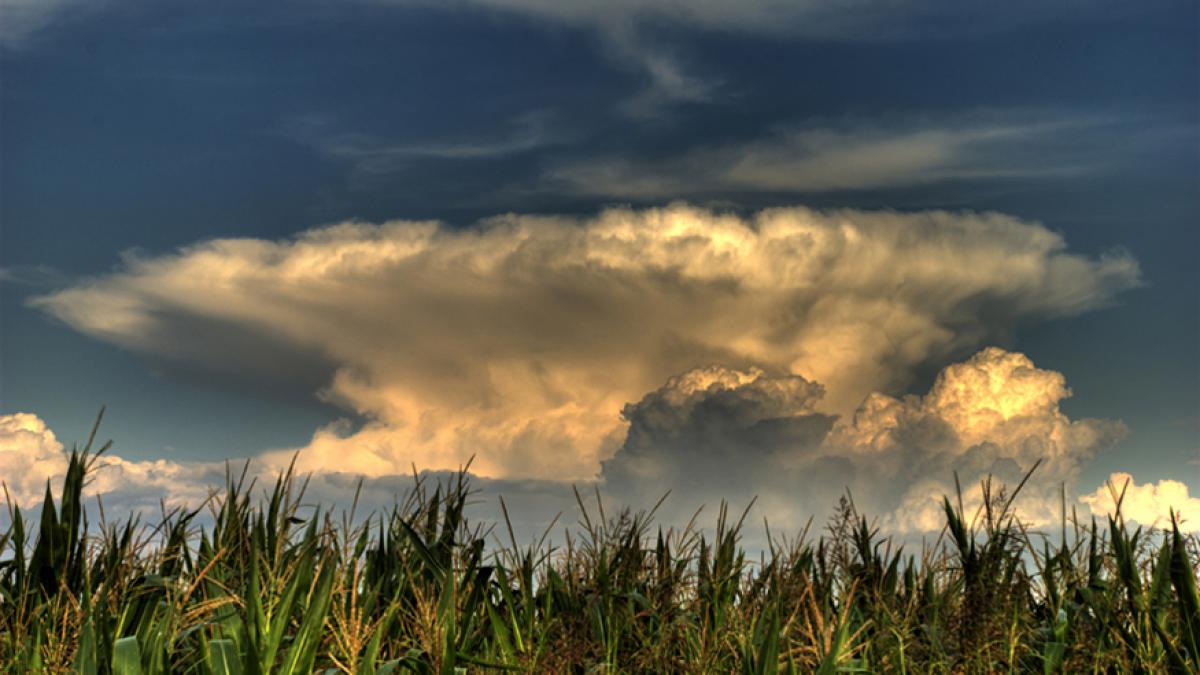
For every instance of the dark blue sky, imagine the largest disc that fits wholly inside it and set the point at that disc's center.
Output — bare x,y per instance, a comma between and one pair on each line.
151,126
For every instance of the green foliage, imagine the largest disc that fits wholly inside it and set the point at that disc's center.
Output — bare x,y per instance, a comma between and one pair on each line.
270,587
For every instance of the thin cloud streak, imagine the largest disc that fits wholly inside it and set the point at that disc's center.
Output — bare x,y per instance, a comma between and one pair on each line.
862,156
370,155
631,30
21,21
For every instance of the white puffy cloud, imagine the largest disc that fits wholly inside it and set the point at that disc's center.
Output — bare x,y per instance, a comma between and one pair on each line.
30,454
995,414
1149,504
148,485
519,340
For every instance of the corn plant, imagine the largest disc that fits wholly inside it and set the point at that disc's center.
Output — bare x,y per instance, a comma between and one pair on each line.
255,582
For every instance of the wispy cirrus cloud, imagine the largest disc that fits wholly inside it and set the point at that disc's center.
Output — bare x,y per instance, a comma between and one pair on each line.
853,20
375,155
851,155
22,20
35,276
634,31
796,157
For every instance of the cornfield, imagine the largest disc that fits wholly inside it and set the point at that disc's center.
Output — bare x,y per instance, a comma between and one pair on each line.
263,586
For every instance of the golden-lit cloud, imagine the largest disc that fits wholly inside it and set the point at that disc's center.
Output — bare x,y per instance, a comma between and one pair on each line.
518,340
995,414
1148,504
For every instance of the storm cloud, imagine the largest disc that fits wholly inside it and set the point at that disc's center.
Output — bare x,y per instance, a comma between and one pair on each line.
519,340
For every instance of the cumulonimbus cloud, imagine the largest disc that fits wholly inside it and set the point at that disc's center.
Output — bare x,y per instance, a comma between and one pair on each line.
518,340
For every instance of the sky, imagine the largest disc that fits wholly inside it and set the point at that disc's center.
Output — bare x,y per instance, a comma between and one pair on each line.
772,249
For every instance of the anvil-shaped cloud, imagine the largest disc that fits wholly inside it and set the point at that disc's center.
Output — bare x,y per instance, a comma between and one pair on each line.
519,340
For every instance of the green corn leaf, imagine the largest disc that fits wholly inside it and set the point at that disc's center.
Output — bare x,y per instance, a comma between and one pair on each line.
829,665
431,562
86,662
389,668
501,633
127,657
371,653
1183,577
466,658
303,653
768,647
223,658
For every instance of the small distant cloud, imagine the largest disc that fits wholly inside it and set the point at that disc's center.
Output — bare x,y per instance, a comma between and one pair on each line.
1189,422
30,455
1149,504
38,276
32,459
